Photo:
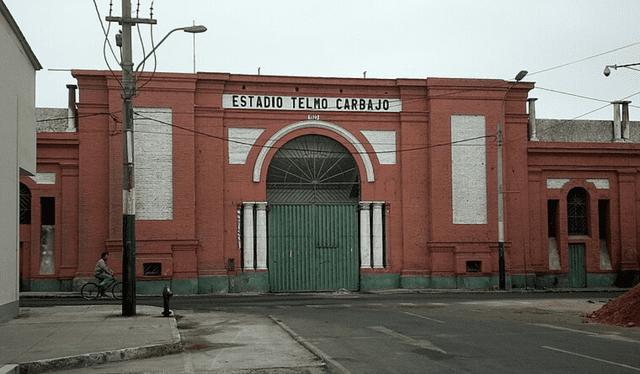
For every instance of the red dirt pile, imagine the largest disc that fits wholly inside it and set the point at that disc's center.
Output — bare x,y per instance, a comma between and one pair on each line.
621,311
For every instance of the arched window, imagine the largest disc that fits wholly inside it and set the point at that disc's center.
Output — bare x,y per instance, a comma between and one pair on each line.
577,212
25,205
313,169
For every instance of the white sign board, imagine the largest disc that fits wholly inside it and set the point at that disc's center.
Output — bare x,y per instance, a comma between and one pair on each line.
340,104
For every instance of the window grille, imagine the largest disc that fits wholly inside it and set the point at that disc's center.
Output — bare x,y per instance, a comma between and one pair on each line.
577,212
25,205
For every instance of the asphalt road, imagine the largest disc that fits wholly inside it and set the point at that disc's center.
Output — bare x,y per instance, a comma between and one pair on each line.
439,333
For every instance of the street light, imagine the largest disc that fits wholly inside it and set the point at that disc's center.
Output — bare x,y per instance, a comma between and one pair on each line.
521,75
128,182
607,70
196,29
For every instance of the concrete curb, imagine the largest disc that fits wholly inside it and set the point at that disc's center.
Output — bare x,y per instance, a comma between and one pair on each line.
98,358
9,369
76,295
332,364
483,291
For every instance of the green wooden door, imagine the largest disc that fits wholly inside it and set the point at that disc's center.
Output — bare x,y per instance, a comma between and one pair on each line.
313,247
577,265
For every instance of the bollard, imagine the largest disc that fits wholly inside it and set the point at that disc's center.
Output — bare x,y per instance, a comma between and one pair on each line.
166,295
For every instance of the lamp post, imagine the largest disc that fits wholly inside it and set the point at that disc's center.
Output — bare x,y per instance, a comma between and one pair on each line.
501,259
128,181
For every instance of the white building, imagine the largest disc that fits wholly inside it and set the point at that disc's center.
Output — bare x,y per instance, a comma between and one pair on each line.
17,149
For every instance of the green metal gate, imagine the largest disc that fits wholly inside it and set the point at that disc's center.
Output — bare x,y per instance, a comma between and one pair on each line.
313,247
313,189
577,266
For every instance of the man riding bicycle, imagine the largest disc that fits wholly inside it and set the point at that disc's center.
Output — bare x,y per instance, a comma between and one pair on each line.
102,272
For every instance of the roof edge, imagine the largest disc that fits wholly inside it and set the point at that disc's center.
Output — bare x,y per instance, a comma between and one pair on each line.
23,41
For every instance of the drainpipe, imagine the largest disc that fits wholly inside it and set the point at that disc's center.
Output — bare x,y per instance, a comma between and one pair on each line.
71,111
532,120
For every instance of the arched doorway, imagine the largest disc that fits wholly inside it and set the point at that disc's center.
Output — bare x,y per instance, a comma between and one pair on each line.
313,188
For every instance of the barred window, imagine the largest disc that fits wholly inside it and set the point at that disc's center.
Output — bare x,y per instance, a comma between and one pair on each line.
25,205
577,212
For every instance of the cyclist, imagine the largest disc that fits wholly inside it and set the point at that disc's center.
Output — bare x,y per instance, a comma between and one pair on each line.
102,272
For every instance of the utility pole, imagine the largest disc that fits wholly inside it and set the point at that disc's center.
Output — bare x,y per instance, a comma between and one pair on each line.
501,260
128,194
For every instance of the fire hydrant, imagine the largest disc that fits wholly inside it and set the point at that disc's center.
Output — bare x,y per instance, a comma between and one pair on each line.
166,295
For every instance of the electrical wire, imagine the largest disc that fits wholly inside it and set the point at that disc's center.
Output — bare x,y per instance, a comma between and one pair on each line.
570,94
106,41
397,151
498,83
584,59
144,53
550,128
83,116
135,77
583,97
435,145
449,143
153,49
225,139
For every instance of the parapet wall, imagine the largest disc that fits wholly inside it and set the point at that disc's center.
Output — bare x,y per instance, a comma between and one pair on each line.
590,131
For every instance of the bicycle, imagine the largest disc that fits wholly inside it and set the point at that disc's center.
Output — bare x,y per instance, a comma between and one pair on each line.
91,290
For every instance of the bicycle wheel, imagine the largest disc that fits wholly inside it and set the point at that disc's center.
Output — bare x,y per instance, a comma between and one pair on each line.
117,291
90,291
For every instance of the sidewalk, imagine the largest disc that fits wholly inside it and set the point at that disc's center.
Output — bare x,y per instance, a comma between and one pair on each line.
73,337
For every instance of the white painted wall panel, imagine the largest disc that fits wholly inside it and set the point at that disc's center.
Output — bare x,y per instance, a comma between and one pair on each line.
556,182
384,144
44,178
241,140
153,141
601,184
468,170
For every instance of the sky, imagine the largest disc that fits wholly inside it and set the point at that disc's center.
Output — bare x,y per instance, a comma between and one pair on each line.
564,45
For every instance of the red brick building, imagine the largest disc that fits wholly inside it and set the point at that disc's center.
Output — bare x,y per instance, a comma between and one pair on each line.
294,183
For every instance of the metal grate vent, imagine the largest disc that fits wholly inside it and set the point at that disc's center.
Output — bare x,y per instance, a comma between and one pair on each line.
152,269
474,266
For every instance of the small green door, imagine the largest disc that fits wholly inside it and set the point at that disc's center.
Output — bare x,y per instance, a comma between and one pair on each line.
313,247
577,265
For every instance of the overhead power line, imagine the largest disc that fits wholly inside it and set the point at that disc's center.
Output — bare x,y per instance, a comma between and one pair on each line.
584,59
226,139
583,97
